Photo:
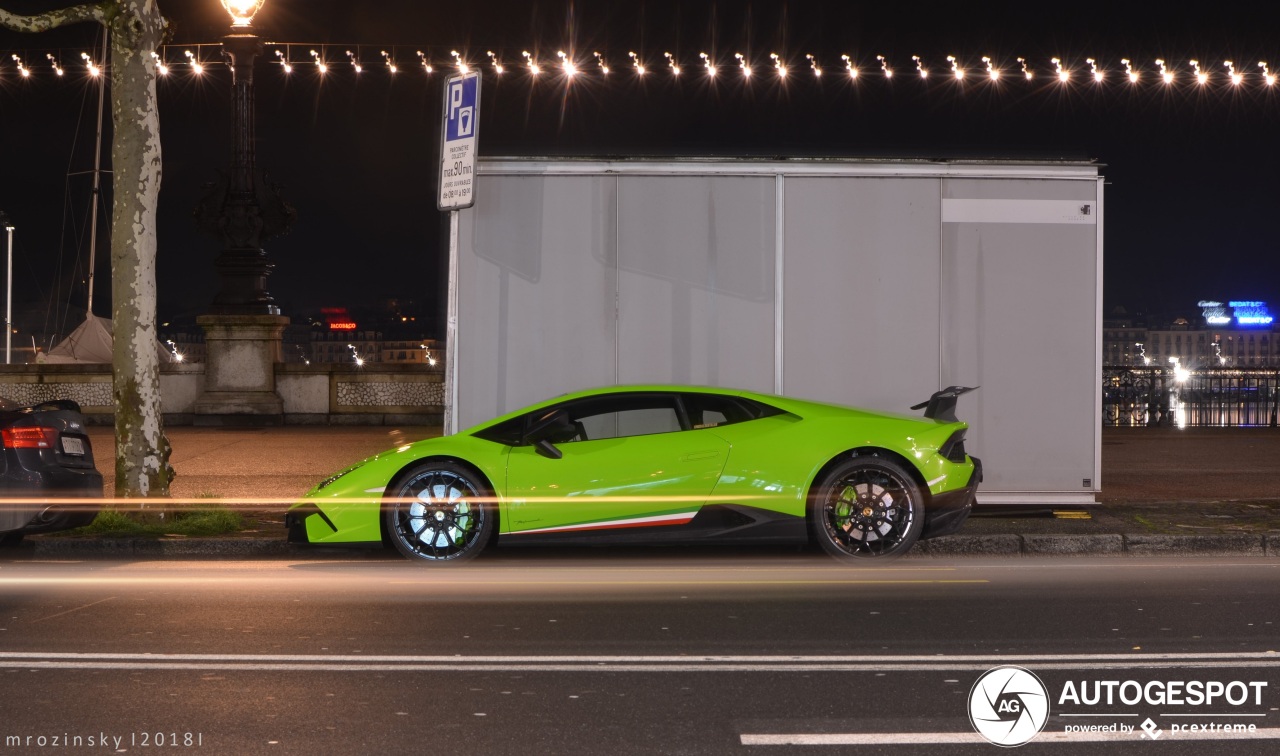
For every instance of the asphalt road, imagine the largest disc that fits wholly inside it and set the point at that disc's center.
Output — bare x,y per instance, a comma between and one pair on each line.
593,652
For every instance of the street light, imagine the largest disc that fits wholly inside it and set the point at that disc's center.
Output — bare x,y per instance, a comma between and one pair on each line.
8,292
242,11
243,208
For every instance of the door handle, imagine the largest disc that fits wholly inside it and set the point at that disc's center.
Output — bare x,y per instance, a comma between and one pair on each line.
695,456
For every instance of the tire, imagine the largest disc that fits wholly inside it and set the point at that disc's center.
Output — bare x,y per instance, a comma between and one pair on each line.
11,539
867,507
438,512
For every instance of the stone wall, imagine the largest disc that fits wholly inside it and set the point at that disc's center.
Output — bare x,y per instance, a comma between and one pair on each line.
311,394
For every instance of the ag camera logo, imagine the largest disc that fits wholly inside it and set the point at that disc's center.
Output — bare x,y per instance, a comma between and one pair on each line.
1008,706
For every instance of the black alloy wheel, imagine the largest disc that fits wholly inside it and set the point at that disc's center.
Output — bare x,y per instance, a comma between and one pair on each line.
867,507
438,512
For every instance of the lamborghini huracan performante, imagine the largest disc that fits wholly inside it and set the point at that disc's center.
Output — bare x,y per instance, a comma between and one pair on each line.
635,464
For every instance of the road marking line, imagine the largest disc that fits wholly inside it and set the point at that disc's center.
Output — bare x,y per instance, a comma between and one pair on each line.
1244,656
956,738
385,667
649,664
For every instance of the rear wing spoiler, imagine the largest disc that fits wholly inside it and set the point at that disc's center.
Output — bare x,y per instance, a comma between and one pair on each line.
942,405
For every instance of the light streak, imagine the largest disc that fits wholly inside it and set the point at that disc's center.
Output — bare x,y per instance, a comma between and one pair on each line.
884,66
1236,78
196,67
391,62
1098,74
635,61
1267,76
459,62
672,64
1201,77
813,64
1165,74
742,64
321,66
532,64
1129,71
57,69
992,71
497,64
426,64
956,70
22,70
706,62
161,68
1064,75
355,62
924,72
848,66
1026,70
602,63
284,62
778,65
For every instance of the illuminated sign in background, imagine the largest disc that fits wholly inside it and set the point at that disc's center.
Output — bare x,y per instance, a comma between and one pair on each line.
1243,312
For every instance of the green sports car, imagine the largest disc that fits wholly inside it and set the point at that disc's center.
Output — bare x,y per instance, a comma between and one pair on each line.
659,463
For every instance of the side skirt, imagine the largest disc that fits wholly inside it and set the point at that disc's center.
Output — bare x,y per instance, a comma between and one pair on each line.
718,523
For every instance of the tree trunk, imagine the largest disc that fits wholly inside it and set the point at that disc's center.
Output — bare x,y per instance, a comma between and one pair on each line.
137,28
142,450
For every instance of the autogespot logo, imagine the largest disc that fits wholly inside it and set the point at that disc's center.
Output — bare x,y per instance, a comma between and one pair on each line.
1008,706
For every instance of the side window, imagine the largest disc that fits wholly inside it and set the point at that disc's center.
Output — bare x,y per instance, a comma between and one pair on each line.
713,410
621,415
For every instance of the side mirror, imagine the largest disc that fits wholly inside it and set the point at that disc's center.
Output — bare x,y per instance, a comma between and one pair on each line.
547,449
553,424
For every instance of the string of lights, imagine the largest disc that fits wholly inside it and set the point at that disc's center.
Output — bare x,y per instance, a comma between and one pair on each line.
329,59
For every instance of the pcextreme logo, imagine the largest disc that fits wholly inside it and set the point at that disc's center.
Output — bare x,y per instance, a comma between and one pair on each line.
1008,706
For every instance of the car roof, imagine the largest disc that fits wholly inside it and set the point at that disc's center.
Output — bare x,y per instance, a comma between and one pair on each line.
801,407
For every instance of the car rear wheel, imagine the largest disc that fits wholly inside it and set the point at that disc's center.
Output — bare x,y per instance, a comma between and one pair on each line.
438,512
867,507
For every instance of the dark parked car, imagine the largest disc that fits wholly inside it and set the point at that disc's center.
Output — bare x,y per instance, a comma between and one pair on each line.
47,477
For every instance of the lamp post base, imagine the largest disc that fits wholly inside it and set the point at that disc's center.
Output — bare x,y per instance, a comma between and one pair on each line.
241,352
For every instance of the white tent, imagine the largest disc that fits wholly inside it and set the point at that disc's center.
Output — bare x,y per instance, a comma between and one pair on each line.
91,343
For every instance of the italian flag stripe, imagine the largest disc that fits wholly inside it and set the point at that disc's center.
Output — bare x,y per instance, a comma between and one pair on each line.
673,518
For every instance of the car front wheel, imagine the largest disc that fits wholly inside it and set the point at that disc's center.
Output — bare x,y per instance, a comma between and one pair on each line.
867,507
438,512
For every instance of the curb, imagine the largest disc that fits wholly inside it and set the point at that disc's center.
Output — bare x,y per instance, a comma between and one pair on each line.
112,548
1111,544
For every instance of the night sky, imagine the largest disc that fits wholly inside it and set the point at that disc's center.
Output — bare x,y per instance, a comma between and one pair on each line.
1190,205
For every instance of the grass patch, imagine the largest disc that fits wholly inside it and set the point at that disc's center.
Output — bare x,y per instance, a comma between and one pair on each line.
195,521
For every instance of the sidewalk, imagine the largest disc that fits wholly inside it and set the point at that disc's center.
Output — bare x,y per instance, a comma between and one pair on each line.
1165,492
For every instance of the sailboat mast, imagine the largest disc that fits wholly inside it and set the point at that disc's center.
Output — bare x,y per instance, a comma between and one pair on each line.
97,178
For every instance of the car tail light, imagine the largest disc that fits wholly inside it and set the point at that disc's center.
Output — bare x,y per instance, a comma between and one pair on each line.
29,438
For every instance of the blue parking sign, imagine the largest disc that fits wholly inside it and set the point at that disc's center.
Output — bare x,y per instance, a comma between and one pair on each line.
459,131
460,108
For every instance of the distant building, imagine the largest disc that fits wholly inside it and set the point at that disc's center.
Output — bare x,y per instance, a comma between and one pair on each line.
1236,334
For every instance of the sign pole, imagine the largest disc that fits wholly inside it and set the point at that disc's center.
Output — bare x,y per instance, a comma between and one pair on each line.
459,139
451,333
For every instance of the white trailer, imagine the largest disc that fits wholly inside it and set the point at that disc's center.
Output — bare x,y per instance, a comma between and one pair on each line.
864,282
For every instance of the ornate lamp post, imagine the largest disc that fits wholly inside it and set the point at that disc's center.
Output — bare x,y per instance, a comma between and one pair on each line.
243,208
243,327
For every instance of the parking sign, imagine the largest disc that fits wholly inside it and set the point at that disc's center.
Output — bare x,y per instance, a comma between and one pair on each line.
459,140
